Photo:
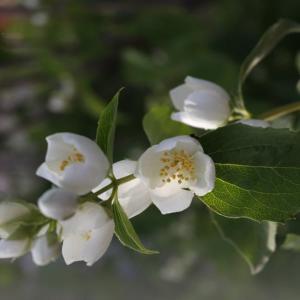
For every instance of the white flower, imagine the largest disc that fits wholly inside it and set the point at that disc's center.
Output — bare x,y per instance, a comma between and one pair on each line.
255,123
174,170
73,162
14,248
45,248
58,203
133,195
201,104
87,235
10,213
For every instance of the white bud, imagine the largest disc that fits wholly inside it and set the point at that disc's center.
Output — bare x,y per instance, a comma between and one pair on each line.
201,104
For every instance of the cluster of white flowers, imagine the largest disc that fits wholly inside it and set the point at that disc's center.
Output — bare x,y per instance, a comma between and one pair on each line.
168,175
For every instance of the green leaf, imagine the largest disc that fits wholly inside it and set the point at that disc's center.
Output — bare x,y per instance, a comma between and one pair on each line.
159,126
265,45
257,170
254,241
125,231
107,126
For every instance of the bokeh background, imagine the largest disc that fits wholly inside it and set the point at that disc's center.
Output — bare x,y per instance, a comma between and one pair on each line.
61,61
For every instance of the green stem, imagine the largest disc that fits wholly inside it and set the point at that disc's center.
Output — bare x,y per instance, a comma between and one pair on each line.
280,111
114,183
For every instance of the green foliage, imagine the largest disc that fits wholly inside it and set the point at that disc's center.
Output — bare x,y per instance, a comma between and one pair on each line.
265,45
258,172
158,124
125,231
107,122
254,241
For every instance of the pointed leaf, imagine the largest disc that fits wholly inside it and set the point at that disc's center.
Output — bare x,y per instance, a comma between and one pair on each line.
107,126
125,231
258,172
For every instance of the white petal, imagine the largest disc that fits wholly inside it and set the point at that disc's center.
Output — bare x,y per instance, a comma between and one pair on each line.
133,195
179,94
206,174
77,248
176,202
58,203
200,84
44,252
182,141
149,165
88,216
13,248
193,121
45,172
209,108
79,177
255,123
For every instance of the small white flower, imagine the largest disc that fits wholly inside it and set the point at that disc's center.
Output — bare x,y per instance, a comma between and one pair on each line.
133,196
45,249
87,235
74,163
14,248
58,203
201,104
174,170
255,123
10,213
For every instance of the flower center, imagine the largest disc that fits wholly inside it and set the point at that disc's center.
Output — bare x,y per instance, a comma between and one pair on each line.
87,235
74,157
177,166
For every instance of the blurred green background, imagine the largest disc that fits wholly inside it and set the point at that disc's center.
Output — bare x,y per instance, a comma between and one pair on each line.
61,61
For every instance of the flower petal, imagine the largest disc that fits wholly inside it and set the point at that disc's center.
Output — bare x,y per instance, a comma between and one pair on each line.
74,162
178,201
58,203
206,174
200,84
13,248
43,252
77,248
88,216
179,94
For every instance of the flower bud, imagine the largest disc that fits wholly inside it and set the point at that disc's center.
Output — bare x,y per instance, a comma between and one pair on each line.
201,104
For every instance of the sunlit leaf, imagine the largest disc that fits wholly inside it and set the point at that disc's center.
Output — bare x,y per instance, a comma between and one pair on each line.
258,172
